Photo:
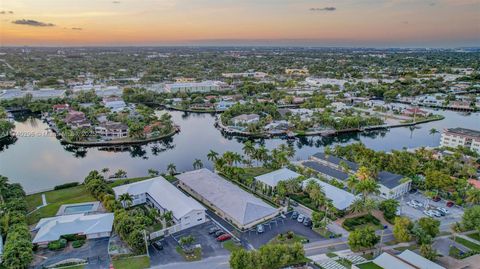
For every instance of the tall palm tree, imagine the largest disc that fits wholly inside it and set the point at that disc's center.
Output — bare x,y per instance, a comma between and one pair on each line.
172,169
473,196
352,182
126,199
433,131
367,187
248,148
212,156
168,217
197,164
105,170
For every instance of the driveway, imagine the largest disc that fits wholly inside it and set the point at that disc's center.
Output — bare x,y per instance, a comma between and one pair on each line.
442,245
168,255
94,250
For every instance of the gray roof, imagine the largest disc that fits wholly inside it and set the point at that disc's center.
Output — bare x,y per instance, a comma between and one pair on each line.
335,160
341,199
326,170
276,176
389,180
419,261
464,131
240,205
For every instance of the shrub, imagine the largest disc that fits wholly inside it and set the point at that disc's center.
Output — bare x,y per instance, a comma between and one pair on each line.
351,223
78,243
73,237
66,185
57,244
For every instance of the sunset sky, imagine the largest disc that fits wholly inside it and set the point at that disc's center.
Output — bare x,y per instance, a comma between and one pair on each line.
380,23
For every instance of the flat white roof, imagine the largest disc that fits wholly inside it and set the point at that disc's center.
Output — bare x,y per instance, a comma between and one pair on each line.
272,178
244,207
50,229
341,199
164,193
418,260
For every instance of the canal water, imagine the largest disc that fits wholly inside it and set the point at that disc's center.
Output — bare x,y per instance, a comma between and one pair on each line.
39,161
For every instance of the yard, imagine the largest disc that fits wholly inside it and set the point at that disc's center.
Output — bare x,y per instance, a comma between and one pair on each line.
351,224
56,198
231,246
368,265
475,236
467,243
139,262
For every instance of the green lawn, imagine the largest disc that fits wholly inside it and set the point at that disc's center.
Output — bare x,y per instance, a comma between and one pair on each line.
256,171
368,265
132,263
324,232
231,246
55,199
331,255
475,236
468,244
195,256
282,239
351,224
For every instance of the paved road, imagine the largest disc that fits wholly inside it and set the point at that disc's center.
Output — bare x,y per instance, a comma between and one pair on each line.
218,262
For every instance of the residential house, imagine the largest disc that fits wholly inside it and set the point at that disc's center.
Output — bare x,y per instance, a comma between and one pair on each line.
90,225
160,194
115,104
270,180
245,119
111,130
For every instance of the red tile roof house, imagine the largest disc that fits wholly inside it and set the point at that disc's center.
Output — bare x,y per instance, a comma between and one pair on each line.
61,107
149,129
475,183
415,111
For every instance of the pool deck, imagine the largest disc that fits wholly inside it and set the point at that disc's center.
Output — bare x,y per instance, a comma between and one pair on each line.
61,210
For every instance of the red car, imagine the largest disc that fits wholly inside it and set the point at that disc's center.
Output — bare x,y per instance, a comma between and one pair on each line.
223,237
450,204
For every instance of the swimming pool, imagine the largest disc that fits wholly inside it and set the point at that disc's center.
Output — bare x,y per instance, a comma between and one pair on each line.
73,209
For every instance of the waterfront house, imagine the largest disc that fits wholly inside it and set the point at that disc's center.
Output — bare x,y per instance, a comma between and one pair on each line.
391,185
76,120
415,111
228,200
115,104
111,130
341,199
224,105
270,180
90,225
152,129
245,119
160,194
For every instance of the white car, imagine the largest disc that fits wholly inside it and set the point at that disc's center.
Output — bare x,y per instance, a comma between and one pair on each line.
435,213
412,204
300,218
444,210
417,203
428,213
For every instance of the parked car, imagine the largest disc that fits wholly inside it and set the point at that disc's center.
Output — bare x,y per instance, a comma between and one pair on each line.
158,245
307,222
283,216
300,218
450,204
439,212
436,198
223,237
412,204
444,210
412,191
434,213
218,233
428,213
417,203
260,228
294,215
213,230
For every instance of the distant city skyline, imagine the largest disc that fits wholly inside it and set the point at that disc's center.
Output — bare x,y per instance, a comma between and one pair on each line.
346,23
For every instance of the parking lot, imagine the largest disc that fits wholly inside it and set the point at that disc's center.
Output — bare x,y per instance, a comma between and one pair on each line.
454,215
210,247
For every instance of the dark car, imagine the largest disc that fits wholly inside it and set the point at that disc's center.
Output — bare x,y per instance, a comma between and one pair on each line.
218,233
158,245
307,222
294,215
213,230
436,198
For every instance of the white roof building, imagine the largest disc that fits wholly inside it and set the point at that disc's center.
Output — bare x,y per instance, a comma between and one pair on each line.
227,199
163,193
341,199
93,226
405,260
271,179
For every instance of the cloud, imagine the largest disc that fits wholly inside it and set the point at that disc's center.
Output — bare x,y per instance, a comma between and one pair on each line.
33,23
323,9
6,12
77,28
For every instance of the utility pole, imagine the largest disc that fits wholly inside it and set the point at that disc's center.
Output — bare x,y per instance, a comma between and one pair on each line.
146,243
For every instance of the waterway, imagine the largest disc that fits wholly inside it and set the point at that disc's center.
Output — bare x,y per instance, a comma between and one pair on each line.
40,162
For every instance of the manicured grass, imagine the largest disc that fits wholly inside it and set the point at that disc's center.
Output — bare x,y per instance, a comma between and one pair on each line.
256,171
351,224
368,265
55,199
231,246
282,239
195,256
324,232
475,236
468,244
331,255
345,262
132,263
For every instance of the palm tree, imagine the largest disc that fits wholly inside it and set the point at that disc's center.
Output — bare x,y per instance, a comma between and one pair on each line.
197,164
126,199
120,174
473,196
367,187
153,172
433,131
172,169
212,156
248,148
168,217
220,164
455,228
352,182
105,170
153,213
261,154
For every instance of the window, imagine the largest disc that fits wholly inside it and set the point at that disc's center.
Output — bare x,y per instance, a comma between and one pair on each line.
200,219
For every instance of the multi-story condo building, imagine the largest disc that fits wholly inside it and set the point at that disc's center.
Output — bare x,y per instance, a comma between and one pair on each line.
455,137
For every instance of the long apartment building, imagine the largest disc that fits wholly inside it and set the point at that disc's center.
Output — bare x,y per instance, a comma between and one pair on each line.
455,137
